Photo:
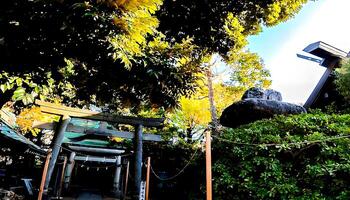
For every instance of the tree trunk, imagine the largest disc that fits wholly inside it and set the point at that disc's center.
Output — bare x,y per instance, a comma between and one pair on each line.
214,118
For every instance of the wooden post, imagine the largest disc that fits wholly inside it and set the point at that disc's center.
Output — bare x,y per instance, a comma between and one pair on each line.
56,148
62,177
116,182
208,164
138,158
148,176
126,180
69,170
43,178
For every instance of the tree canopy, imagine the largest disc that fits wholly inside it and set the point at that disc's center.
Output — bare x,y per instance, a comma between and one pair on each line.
121,52
245,71
222,26
92,51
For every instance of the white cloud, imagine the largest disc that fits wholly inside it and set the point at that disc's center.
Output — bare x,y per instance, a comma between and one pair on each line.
295,77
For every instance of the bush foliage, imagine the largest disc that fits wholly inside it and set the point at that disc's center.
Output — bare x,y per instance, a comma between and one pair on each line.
304,156
343,79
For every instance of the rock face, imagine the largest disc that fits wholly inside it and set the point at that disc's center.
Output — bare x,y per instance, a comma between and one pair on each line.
257,104
258,93
273,95
254,93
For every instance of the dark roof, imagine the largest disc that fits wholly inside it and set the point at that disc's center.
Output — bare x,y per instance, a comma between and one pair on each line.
8,131
325,51
331,57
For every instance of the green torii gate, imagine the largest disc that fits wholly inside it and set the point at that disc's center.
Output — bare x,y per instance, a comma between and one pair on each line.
65,125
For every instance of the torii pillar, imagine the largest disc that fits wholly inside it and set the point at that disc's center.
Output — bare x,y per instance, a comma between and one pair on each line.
138,158
116,181
56,147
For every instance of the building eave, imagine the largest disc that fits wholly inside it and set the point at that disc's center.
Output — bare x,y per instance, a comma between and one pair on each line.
331,56
325,51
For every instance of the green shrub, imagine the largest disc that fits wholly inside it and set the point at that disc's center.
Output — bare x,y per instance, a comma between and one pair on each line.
343,79
304,156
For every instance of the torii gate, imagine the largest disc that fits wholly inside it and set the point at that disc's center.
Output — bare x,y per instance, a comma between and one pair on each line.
67,113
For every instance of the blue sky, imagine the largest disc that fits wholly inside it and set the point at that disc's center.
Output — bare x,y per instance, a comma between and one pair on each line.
268,42
322,20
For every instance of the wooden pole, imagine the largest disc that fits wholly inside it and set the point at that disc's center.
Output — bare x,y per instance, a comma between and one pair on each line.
43,178
69,170
138,158
116,182
148,176
208,165
56,146
126,180
62,177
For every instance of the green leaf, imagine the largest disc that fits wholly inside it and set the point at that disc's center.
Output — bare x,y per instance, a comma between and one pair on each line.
19,82
18,94
3,88
28,99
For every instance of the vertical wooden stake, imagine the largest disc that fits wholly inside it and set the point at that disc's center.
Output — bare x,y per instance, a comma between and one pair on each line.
62,177
126,180
43,178
148,176
69,170
116,182
208,164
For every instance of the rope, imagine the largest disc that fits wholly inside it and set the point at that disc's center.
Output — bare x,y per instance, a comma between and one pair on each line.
178,173
29,151
278,144
95,167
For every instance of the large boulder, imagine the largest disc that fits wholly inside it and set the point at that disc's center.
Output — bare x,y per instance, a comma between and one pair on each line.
258,93
265,104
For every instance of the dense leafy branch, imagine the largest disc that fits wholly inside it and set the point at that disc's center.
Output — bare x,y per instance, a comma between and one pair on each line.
295,157
343,79
103,52
221,26
92,52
